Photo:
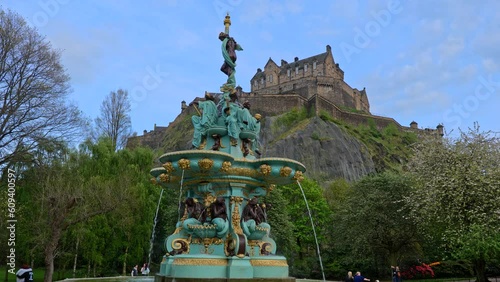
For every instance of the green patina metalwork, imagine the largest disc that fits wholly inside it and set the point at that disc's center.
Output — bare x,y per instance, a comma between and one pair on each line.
222,230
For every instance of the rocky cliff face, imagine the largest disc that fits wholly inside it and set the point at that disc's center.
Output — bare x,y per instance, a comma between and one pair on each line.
327,151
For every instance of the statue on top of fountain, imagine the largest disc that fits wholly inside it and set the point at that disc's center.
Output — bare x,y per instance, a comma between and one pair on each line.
228,117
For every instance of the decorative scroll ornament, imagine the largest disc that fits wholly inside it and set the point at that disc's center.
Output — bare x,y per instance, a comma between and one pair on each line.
298,176
265,169
285,171
168,167
225,166
184,164
205,164
180,246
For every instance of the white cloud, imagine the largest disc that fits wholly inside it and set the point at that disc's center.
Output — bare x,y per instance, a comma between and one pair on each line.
451,47
489,65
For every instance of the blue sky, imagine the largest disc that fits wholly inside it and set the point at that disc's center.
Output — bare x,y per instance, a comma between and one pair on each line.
426,61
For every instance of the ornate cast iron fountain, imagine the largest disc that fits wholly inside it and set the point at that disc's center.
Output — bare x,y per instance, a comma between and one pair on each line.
223,234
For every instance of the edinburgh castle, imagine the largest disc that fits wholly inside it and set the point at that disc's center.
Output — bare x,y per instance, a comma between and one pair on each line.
315,83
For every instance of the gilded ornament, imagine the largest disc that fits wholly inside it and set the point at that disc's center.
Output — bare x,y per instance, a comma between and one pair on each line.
298,176
229,245
268,262
205,164
235,217
164,177
285,171
225,166
168,167
153,180
243,172
265,169
271,188
181,246
184,164
183,261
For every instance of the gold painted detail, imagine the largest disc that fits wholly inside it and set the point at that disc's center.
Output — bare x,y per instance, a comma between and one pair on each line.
205,164
243,172
164,178
285,171
260,228
265,169
153,180
218,262
235,217
182,245
208,200
203,144
202,227
225,166
268,262
254,244
298,176
184,164
229,245
168,167
271,188
207,241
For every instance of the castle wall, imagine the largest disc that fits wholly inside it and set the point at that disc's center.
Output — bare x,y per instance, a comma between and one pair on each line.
270,105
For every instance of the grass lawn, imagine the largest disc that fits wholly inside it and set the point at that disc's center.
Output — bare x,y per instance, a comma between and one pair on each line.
38,274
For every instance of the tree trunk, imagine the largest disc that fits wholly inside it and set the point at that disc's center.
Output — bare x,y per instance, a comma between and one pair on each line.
50,250
480,269
125,262
49,265
76,256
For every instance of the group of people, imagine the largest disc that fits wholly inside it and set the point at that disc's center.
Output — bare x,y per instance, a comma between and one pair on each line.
396,276
357,278
144,270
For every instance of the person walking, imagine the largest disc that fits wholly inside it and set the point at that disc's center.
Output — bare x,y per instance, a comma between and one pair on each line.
360,278
396,274
134,271
145,269
349,277
24,274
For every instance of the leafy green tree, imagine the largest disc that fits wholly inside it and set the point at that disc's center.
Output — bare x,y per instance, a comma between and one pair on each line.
305,261
80,185
456,195
373,224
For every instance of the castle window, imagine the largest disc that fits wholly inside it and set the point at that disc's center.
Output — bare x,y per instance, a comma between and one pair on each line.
262,81
314,65
271,78
288,72
305,67
296,70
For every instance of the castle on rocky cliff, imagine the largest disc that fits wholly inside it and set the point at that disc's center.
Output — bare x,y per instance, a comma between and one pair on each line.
316,83
310,78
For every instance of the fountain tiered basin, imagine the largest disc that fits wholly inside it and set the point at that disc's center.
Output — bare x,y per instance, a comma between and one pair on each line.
235,247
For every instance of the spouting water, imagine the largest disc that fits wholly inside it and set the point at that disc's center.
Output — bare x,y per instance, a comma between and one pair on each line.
314,231
154,227
180,197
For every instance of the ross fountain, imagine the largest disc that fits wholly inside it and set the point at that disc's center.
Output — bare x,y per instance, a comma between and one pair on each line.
223,233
